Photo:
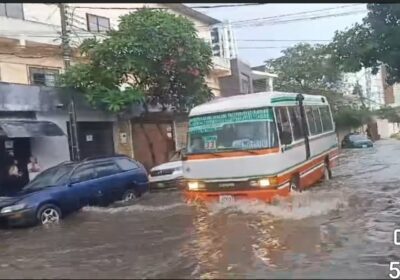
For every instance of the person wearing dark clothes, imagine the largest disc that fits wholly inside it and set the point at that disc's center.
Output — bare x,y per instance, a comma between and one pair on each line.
13,182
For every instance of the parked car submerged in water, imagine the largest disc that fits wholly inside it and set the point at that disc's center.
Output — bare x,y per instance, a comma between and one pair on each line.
67,187
167,175
355,140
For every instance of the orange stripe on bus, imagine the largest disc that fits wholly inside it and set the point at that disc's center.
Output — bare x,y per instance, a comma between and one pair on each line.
233,154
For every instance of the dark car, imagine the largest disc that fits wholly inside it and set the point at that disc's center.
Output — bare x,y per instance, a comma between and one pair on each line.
67,187
354,140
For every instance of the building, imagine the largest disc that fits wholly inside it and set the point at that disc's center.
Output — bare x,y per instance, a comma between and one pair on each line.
372,86
262,79
31,58
245,79
223,41
391,95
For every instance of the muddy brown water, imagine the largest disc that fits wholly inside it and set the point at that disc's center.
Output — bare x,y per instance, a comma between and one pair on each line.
339,229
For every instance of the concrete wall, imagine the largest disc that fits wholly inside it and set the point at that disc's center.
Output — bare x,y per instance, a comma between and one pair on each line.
386,128
53,150
232,85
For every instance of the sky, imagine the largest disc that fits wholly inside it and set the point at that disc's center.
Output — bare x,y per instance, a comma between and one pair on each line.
317,29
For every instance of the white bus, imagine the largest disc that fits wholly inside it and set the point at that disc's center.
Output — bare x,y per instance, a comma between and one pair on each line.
257,146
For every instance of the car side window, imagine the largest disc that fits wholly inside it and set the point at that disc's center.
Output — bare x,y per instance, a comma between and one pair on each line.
106,168
83,173
126,164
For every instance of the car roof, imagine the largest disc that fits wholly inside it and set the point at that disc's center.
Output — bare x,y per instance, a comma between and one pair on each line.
92,159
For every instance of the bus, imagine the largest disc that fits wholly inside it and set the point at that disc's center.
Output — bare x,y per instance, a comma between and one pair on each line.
258,146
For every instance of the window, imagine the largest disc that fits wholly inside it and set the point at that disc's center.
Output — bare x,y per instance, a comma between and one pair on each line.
326,118
43,76
283,123
314,120
317,118
106,168
50,177
232,131
295,119
83,173
245,83
126,164
12,10
97,23
311,121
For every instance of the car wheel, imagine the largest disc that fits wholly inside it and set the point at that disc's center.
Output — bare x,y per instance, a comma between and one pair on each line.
130,195
295,184
327,173
49,214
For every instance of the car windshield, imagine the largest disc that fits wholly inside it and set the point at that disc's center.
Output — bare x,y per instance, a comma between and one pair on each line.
358,137
50,177
241,130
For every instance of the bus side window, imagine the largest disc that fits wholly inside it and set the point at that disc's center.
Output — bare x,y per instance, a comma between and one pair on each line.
311,121
318,121
295,119
282,121
326,118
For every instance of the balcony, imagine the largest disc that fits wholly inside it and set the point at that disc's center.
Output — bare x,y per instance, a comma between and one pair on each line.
221,66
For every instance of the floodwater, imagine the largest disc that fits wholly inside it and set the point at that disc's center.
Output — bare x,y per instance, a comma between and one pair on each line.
339,229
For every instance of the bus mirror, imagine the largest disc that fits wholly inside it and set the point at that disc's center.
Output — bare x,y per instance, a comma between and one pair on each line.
286,138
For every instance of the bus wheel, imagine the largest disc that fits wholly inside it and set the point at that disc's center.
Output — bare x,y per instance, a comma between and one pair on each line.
295,184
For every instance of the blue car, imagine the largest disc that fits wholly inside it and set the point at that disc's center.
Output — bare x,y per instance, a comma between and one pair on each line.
67,187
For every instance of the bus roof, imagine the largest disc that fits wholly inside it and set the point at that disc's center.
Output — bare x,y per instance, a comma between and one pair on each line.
255,100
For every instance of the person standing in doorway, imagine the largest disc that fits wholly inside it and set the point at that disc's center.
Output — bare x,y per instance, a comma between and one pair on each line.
33,168
14,178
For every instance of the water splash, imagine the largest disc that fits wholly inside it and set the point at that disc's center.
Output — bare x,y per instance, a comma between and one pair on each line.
133,208
298,206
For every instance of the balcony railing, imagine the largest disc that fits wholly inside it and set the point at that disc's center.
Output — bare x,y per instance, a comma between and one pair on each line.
222,66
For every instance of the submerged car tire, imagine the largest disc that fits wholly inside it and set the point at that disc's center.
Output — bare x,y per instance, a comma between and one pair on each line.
49,214
295,184
130,195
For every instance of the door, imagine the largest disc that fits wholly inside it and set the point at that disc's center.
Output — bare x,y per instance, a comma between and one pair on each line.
95,139
83,186
153,143
110,181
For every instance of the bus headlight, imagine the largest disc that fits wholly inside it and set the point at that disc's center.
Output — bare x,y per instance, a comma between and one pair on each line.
263,182
194,185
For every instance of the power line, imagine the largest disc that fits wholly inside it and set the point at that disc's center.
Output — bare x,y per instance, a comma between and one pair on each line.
160,8
283,40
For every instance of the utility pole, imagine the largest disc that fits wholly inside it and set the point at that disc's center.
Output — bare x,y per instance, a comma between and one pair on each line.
73,131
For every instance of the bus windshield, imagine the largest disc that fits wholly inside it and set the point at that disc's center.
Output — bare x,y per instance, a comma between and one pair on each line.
228,131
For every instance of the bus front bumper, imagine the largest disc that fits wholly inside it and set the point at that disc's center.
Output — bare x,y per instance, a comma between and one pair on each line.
266,195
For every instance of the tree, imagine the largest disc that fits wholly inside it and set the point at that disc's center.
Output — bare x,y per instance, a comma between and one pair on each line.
153,58
357,90
307,69
372,43
311,70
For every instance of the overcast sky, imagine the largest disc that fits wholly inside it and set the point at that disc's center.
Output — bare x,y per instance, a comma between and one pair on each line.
317,29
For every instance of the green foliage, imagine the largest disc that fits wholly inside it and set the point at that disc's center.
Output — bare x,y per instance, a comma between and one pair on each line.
372,43
155,56
311,70
307,69
350,118
389,113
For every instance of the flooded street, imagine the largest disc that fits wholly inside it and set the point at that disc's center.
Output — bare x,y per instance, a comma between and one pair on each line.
343,228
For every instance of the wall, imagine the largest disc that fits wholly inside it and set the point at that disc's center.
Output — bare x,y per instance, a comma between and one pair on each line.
386,129
14,69
53,150
232,85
